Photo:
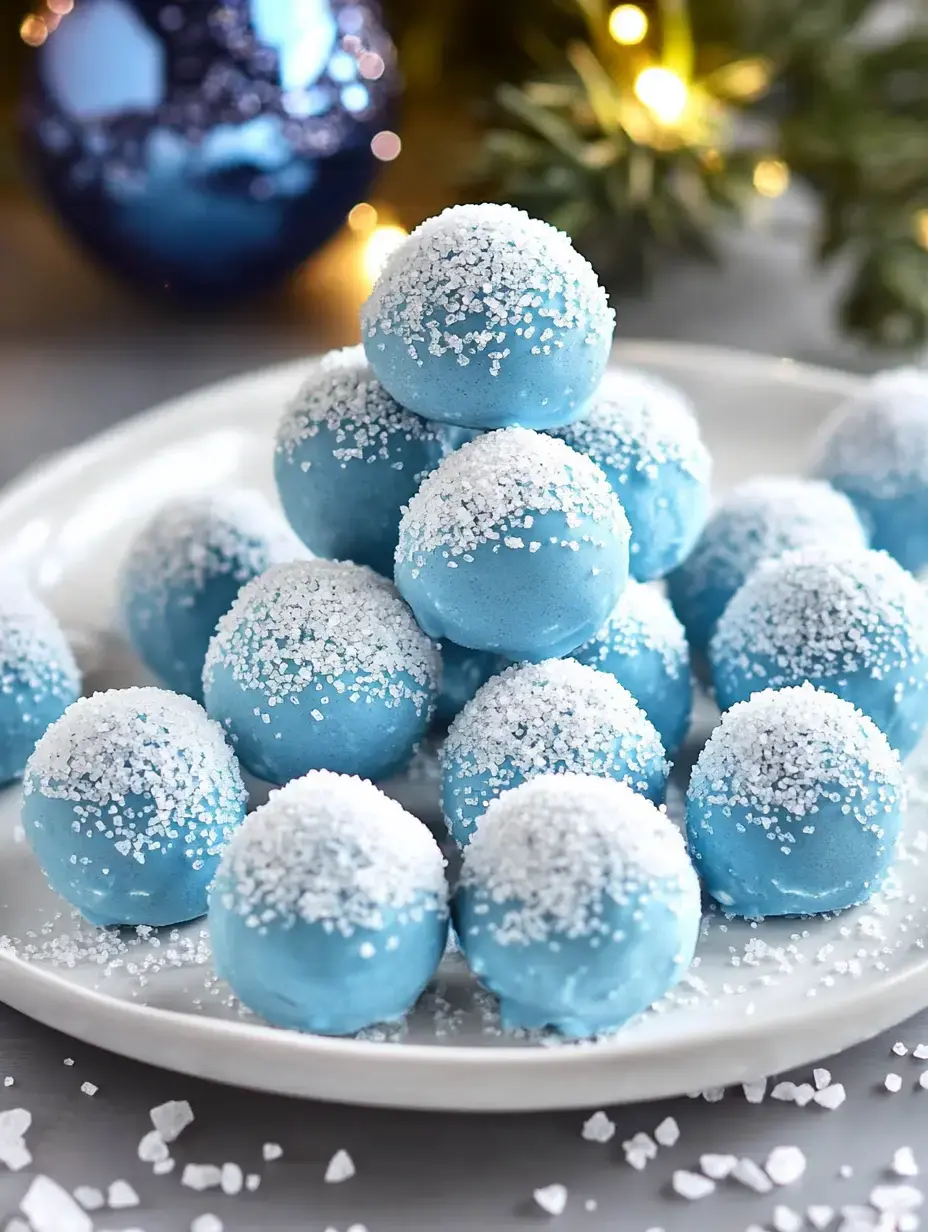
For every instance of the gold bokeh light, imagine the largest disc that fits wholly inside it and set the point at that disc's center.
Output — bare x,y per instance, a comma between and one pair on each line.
628,24
663,92
771,177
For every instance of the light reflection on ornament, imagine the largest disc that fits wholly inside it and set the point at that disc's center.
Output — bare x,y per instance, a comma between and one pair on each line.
33,31
628,24
921,228
383,241
663,92
771,177
362,218
386,146
371,66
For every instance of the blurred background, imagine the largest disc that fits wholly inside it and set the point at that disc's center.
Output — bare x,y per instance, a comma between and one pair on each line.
192,188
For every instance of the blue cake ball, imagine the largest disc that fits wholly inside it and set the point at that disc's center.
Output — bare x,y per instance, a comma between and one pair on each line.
463,671
645,437
485,317
183,571
128,801
320,665
348,459
329,911
577,904
875,449
794,805
39,678
516,545
643,646
853,622
757,520
557,717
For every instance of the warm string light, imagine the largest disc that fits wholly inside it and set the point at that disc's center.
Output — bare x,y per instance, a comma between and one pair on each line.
628,24
386,146
771,177
36,27
663,92
920,222
381,242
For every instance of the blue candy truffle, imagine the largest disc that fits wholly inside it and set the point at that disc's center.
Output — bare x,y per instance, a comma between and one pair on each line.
557,717
852,622
485,317
875,449
184,570
463,671
128,801
319,665
794,805
577,904
349,458
329,912
757,520
516,545
643,645
39,678
644,435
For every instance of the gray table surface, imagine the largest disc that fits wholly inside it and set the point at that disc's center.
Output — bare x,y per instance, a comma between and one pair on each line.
75,356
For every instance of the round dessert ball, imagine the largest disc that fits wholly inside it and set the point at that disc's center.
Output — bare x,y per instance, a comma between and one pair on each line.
463,671
128,801
643,646
757,520
39,678
577,904
348,459
329,911
319,665
557,717
794,805
852,622
644,435
183,571
485,317
516,545
875,449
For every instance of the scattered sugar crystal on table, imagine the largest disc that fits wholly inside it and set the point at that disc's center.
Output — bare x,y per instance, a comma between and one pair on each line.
845,1172
892,1083
271,1151
804,1094
50,1208
252,1181
668,1132
831,1097
232,1179
752,1176
8,1082
754,1092
900,1049
340,1168
785,1091
89,1088
90,1198
896,1199
172,1118
201,1176
590,1205
152,1148
821,1078
598,1128
207,1223
68,1061
718,1167
904,1162
161,1167
121,1195
691,1185
785,1219
820,1216
785,1164
551,1198
920,1052
923,1080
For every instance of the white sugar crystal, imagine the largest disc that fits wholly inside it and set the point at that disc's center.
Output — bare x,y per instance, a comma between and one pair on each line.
718,1166
14,1153
201,1176
831,1097
896,1199
821,1078
805,1093
90,1198
820,1216
590,1204
207,1223
785,1164
17,1225
785,1219
49,1208
152,1147
920,1053
232,1179
89,1088
68,1061
713,1095
845,1172
172,1118
668,1132
340,1168
271,1151
904,1162
752,1175
356,1227
691,1185
900,1049
785,1091
892,1083
754,1092
161,1167
121,1195
598,1128
252,1181
923,1080
8,1082
551,1198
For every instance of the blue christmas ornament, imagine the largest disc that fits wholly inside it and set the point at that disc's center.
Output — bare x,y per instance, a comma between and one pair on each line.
206,149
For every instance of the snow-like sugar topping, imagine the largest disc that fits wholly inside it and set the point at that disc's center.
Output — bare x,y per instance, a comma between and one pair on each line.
878,440
324,619
139,742
493,488
330,847
787,750
537,714
636,422
235,533
554,846
821,611
475,277
763,518
34,652
642,620
343,396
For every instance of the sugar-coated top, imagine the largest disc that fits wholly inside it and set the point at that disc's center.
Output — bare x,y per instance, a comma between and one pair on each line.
343,396
821,611
879,439
785,750
535,714
235,533
330,848
323,619
34,652
494,267
143,742
642,620
552,848
493,488
763,518
636,422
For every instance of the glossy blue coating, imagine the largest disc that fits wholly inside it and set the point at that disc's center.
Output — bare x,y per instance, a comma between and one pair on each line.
462,673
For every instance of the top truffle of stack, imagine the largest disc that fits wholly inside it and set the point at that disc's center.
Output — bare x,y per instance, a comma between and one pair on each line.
486,317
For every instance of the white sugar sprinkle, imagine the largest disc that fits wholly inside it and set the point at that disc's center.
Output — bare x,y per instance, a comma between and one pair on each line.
641,620
893,1083
920,1053
161,1167
668,1132
49,1208
121,1195
805,1093
820,1216
831,1097
900,1049
754,1092
785,1091
271,1151
340,1168
785,1219
207,1223
691,1185
90,1198
14,1123
152,1147
252,1181
598,1128
718,1167
785,1164
821,1078
551,1198
904,1162
896,1198
89,1088
201,1176
68,1061
232,1179
8,1081
172,1118
845,1172
752,1175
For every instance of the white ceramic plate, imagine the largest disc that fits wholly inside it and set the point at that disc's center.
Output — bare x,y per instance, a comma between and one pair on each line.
759,999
